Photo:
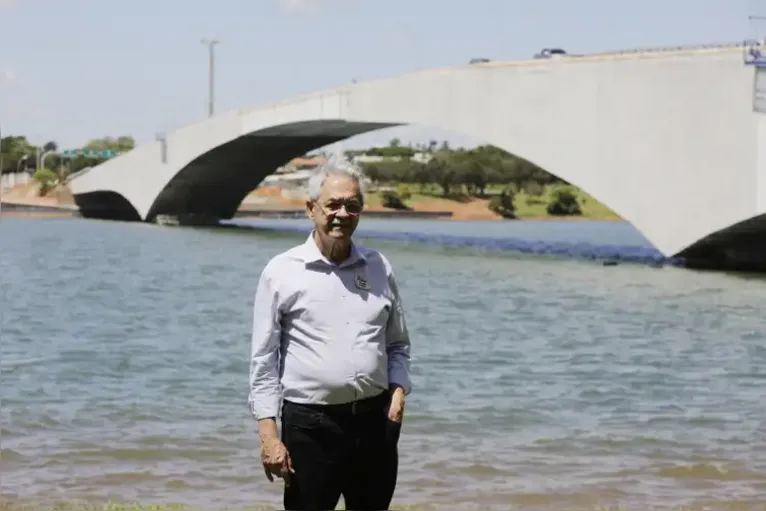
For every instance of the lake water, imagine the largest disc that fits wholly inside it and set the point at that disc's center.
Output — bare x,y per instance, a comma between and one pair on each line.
540,383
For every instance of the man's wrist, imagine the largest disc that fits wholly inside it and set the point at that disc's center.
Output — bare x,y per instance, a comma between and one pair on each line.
267,428
396,390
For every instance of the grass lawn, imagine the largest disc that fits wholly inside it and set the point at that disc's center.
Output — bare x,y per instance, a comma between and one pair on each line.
535,206
526,206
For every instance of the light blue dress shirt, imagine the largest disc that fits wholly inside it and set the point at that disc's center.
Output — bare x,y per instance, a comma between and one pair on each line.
326,333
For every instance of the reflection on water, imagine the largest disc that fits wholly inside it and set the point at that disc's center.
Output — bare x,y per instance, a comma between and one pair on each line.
595,240
540,384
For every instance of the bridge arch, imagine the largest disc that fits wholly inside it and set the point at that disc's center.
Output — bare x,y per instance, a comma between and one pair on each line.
107,204
647,134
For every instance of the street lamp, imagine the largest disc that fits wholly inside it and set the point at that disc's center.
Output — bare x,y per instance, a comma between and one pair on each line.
210,43
163,140
23,160
41,162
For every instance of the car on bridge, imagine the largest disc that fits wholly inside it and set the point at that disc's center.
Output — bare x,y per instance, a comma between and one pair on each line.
551,53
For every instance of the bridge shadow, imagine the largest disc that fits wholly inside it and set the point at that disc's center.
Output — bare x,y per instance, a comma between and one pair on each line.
215,183
739,248
106,205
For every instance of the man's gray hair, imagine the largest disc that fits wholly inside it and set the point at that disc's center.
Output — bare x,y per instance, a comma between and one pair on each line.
335,164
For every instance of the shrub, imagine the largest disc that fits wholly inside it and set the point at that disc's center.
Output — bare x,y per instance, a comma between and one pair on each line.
403,191
503,204
47,179
390,199
563,203
533,189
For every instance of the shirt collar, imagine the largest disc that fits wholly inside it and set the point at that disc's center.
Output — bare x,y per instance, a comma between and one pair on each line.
309,253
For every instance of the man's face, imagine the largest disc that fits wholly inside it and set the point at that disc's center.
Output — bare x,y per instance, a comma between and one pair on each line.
336,212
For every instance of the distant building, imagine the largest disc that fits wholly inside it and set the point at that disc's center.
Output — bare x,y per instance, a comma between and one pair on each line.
366,158
287,179
301,163
293,177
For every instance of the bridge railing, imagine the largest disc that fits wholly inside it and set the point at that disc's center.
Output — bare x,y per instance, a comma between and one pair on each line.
669,49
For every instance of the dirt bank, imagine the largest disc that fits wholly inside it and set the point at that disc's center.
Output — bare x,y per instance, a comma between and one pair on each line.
272,198
268,198
29,194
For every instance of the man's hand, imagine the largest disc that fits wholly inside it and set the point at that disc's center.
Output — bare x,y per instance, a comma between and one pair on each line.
274,456
276,460
396,408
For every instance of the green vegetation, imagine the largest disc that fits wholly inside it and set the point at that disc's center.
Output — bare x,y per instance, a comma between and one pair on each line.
503,204
17,154
524,205
513,187
403,175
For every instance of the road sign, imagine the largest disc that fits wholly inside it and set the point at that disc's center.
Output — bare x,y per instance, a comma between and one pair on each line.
89,153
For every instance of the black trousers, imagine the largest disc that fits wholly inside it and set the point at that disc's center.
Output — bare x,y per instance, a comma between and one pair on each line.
348,449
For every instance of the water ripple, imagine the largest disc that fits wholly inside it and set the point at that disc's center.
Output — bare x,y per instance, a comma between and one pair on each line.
539,384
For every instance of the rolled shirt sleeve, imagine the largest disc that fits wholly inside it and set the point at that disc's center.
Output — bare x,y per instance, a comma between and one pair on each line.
265,392
398,342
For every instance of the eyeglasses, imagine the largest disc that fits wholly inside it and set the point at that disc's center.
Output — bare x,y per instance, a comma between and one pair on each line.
353,207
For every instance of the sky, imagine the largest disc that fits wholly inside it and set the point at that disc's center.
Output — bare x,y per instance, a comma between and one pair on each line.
74,70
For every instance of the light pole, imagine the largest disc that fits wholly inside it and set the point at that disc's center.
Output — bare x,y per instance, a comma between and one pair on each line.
210,43
163,140
41,161
22,160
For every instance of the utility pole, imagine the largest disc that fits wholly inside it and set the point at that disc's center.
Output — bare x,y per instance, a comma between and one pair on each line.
1,168
210,43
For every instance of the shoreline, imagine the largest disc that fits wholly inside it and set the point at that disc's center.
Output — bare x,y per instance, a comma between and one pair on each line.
420,215
17,206
271,202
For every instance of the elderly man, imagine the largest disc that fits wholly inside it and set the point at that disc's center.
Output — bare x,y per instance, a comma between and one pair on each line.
330,348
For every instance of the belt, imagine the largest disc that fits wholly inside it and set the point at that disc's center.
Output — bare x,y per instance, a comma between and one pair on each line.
360,407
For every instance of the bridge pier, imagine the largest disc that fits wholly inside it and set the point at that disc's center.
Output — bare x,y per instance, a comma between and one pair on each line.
189,220
106,205
734,259
740,248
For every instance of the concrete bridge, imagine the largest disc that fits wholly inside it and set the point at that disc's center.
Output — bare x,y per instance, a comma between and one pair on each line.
668,139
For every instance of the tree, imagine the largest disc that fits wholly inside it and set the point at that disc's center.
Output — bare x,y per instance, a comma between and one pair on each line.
564,203
533,188
474,170
503,204
443,172
373,172
120,144
480,167
18,154
423,175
